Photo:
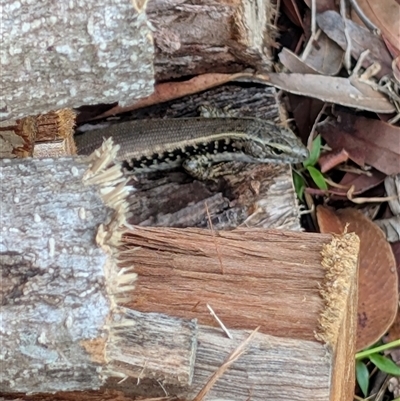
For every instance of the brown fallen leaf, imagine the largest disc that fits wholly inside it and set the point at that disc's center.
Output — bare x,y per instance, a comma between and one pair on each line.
377,279
367,141
294,63
330,160
394,331
305,112
328,221
396,252
361,182
291,10
329,89
396,68
385,14
323,5
362,39
324,58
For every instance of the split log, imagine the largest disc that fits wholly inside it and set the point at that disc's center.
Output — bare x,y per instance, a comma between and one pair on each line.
106,52
300,288
61,324
248,195
195,37
72,333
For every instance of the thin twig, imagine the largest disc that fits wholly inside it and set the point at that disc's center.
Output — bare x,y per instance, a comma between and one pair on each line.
314,127
367,22
313,17
223,327
310,44
361,200
347,53
227,363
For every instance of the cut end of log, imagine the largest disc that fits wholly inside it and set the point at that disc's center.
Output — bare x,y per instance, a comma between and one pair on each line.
54,134
340,259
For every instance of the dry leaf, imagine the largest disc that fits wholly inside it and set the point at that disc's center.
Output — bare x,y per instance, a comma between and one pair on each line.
324,58
305,112
323,5
328,222
362,39
385,14
390,227
330,160
329,89
377,286
367,141
360,182
294,63
290,9
392,186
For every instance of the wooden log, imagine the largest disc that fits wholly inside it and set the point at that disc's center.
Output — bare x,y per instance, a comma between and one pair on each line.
249,195
299,288
105,54
201,36
61,324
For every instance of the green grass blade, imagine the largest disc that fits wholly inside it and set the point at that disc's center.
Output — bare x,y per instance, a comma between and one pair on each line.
362,376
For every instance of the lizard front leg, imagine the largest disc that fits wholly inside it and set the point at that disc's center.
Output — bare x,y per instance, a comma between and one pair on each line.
201,168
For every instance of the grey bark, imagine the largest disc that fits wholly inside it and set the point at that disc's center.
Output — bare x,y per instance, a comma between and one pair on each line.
61,327
53,292
66,54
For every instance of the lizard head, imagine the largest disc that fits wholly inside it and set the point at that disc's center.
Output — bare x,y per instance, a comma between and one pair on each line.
277,144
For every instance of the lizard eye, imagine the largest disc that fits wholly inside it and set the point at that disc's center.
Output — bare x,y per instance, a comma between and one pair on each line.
276,151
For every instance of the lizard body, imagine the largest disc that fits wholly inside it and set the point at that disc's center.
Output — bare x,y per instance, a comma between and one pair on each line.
196,143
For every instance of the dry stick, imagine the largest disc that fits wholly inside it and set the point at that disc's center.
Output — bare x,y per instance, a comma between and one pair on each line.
278,7
221,370
336,185
367,22
310,44
311,136
361,200
313,17
314,33
347,53
219,321
360,60
355,170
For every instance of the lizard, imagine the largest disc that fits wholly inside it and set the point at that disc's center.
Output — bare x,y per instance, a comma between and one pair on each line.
195,143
